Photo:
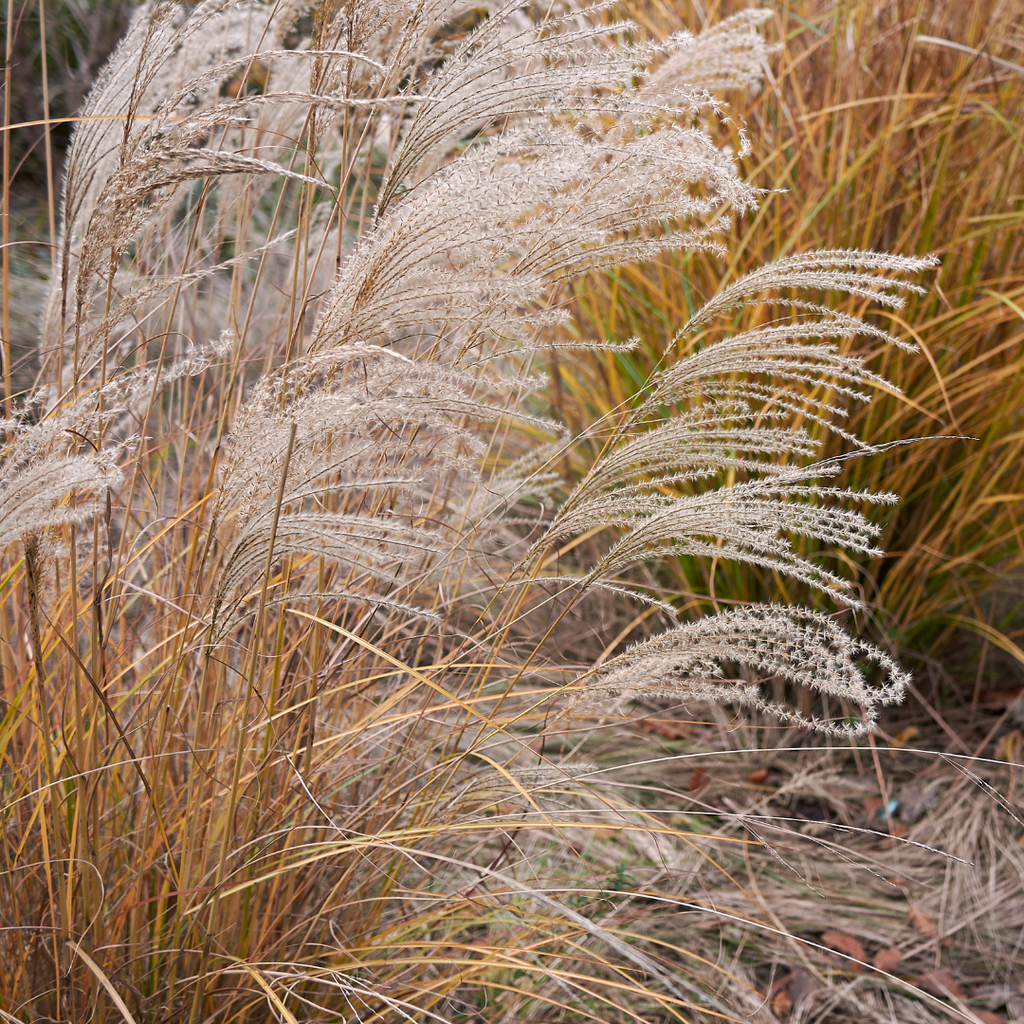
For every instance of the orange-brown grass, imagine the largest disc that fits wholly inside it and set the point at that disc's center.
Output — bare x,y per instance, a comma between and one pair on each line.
874,133
339,809
323,850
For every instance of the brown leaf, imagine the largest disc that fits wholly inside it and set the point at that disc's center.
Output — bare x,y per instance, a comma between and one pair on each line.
848,945
669,730
759,776
902,738
941,983
923,923
888,959
782,1003
698,779
872,804
780,983
802,984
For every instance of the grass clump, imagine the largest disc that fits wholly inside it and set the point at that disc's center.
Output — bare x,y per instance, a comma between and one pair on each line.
311,611
891,127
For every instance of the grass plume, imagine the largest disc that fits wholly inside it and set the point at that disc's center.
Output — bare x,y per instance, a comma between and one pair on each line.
889,128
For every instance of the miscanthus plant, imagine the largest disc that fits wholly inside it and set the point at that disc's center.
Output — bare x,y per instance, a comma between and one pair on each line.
308,600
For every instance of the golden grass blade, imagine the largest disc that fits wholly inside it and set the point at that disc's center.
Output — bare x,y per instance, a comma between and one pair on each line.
97,971
273,998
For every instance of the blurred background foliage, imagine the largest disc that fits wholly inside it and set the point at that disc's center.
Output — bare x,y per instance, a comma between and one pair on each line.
77,36
885,124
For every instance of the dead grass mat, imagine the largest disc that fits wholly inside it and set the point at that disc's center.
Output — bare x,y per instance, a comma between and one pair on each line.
846,902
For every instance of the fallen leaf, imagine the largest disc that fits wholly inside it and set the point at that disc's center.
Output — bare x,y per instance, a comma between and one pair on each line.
999,700
698,779
759,776
667,730
941,983
1008,747
902,738
802,985
848,945
923,923
782,1003
872,805
888,959
780,983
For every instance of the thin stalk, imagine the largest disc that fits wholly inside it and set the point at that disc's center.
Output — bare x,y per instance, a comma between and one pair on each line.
51,205
254,657
6,212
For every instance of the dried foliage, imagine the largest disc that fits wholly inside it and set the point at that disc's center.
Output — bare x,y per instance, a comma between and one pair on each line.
299,564
892,126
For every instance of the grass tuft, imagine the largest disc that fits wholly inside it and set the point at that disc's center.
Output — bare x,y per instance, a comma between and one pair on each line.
347,670
891,127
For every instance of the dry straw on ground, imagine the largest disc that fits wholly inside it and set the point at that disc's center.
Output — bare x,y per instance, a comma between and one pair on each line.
311,614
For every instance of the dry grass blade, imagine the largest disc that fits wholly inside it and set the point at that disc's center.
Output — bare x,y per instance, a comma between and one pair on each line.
118,1002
